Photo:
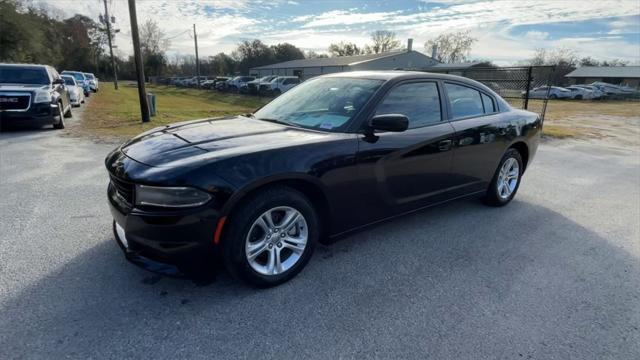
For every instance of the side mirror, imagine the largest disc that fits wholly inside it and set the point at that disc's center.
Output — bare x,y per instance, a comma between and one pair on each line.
58,81
389,122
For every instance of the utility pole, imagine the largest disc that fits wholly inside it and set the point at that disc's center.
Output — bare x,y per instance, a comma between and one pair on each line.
107,20
195,39
137,54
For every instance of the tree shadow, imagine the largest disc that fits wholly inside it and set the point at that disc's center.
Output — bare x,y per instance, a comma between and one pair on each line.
456,281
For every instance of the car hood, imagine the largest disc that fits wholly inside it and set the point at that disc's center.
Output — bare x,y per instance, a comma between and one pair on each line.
22,87
213,139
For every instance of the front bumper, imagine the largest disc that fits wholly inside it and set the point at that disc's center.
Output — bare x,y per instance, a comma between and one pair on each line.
37,114
168,242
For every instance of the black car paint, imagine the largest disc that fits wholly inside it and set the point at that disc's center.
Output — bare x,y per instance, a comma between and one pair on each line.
37,113
354,178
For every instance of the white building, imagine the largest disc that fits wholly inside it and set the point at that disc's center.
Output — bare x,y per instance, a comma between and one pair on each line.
307,68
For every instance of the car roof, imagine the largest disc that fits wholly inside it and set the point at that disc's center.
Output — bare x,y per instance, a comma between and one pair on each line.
399,75
24,65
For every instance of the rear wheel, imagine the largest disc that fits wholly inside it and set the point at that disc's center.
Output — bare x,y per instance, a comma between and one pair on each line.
271,237
506,179
59,118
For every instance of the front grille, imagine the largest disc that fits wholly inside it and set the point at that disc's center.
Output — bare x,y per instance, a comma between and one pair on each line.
124,189
15,101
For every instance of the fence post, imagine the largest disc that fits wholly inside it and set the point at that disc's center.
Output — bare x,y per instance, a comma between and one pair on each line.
526,95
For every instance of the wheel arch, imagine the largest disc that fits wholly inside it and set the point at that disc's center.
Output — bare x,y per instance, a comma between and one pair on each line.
523,149
307,185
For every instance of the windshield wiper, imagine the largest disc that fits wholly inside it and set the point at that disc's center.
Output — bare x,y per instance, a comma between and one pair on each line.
276,121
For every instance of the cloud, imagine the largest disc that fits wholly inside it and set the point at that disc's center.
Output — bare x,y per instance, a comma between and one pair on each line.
222,24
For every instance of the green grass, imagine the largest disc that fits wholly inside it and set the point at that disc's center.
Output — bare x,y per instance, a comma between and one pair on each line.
116,113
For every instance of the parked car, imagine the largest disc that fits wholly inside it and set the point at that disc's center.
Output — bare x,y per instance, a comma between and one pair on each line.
93,81
253,87
336,153
80,79
597,93
33,95
237,82
279,85
578,93
76,92
207,84
613,90
220,83
555,92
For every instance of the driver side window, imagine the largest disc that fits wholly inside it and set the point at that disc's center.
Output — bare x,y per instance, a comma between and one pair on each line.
420,102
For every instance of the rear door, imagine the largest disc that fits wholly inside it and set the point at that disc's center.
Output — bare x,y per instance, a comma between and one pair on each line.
480,140
406,170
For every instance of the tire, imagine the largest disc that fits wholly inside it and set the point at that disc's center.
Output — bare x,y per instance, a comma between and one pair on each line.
60,123
68,113
276,92
248,225
578,97
553,96
501,191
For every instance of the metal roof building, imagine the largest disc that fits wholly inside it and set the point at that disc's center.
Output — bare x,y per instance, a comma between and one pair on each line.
307,68
618,75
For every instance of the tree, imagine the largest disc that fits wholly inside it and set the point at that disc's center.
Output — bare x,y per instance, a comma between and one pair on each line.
344,49
250,54
383,41
222,64
314,55
452,47
153,43
564,61
285,52
152,39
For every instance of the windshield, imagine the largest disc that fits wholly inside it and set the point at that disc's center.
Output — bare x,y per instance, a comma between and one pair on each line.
89,76
23,75
76,75
68,80
323,103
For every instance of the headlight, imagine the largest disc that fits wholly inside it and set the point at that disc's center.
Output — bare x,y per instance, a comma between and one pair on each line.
42,96
170,196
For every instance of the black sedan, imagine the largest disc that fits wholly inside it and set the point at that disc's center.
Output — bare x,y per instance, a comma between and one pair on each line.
336,153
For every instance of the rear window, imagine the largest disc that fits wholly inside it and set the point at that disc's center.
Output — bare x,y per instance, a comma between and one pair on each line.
68,80
464,101
23,75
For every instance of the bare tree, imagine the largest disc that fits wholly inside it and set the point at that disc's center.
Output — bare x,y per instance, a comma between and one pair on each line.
344,49
383,41
452,47
152,39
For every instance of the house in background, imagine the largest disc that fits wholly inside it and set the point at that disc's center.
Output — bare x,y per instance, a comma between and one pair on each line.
617,75
307,68
459,68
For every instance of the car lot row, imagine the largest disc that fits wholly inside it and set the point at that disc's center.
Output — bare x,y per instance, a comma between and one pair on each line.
272,85
39,95
595,91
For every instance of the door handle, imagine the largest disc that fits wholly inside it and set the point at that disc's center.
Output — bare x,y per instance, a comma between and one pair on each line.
444,145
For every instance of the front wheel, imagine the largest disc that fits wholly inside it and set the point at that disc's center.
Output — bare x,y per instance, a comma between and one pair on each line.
506,180
59,124
271,237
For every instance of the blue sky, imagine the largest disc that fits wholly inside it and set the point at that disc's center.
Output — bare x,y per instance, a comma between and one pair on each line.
507,31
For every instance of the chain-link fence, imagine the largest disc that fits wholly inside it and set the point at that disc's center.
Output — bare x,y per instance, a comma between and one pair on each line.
523,86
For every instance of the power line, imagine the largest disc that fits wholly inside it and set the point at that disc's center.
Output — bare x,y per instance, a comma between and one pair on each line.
179,34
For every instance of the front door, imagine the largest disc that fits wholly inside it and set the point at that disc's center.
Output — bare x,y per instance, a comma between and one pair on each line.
401,171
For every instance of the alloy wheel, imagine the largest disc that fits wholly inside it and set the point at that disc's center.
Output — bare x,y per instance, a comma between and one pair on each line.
276,240
508,178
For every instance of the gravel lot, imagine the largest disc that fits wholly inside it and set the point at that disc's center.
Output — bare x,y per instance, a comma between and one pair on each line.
554,275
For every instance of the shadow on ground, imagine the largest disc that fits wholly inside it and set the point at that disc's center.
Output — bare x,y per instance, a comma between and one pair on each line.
457,281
